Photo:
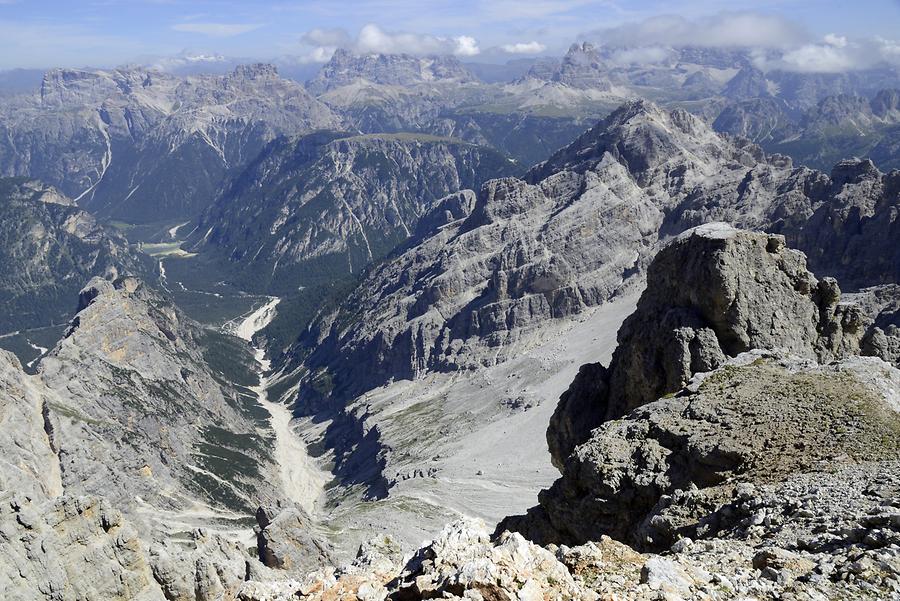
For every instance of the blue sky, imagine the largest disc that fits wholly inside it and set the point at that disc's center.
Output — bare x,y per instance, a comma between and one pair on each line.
36,33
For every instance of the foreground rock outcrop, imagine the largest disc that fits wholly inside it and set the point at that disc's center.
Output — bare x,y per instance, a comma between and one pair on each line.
736,394
711,294
664,470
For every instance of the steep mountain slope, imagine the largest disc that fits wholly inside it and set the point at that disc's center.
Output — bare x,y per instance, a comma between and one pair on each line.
329,203
49,249
494,283
141,145
139,459
520,253
137,413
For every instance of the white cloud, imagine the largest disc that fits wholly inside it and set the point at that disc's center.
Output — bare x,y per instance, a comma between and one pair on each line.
646,55
466,46
725,30
524,48
835,55
374,39
832,39
777,44
319,54
219,30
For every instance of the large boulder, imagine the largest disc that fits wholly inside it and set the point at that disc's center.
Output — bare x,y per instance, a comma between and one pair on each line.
285,540
713,293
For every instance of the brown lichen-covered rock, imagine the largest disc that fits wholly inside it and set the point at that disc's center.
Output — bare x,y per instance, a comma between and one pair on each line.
663,470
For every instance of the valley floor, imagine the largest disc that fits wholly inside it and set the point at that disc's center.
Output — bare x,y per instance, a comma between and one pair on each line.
302,481
472,444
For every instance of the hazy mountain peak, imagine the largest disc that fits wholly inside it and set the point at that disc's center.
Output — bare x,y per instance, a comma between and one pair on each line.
346,67
255,71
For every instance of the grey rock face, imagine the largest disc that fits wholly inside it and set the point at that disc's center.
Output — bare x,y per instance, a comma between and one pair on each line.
81,547
711,294
49,248
144,145
150,408
881,304
345,68
56,550
757,418
581,67
760,120
335,201
29,463
579,234
285,540
125,441
834,127
886,104
852,235
749,82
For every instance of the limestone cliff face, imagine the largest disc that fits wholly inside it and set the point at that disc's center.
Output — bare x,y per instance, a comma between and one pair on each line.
346,68
852,235
713,293
738,365
467,288
138,413
130,434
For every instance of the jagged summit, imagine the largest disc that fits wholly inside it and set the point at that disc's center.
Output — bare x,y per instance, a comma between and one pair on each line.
346,67
582,67
255,71
644,137
713,293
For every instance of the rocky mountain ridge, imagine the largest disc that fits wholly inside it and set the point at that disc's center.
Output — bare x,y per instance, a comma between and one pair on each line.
765,474
139,461
338,199
639,176
838,126
346,68
49,247
106,138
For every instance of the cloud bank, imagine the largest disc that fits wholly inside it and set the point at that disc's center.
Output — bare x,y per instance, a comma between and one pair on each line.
774,42
523,48
725,30
835,54
373,39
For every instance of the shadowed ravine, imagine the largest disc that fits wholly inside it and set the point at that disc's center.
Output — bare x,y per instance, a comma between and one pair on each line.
301,479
